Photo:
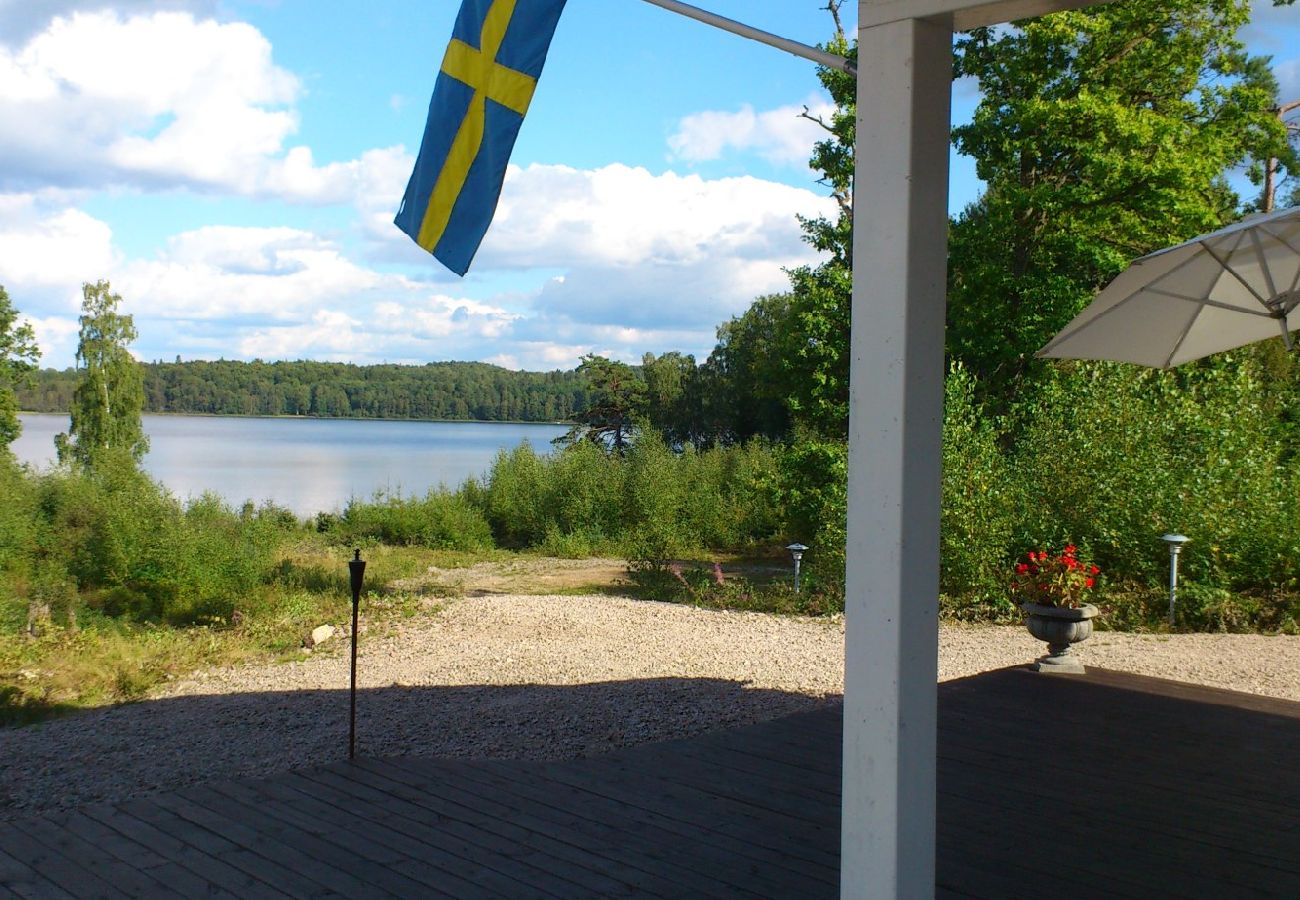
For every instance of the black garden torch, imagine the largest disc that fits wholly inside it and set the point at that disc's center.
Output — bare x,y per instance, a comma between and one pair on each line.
356,569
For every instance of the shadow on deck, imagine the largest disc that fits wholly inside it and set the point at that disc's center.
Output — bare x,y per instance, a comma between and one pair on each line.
1101,785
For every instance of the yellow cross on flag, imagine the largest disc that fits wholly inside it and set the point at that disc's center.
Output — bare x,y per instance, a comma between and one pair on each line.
484,87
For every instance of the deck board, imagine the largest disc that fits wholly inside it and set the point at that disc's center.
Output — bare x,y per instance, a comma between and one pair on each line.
1102,785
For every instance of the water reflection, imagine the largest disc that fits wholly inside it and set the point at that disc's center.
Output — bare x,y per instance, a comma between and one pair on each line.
308,465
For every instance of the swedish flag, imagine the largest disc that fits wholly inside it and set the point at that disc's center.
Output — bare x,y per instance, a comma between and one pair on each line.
487,79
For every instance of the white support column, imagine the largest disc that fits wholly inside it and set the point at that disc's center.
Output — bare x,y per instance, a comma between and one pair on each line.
899,281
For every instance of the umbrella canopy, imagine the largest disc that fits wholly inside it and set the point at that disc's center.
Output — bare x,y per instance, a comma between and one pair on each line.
1221,290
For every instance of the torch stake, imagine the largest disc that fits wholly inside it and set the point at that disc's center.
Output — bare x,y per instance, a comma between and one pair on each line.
356,569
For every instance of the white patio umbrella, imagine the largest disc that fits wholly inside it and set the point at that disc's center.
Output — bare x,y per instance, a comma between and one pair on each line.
1221,290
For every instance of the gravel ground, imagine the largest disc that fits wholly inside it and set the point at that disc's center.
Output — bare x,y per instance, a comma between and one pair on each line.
535,677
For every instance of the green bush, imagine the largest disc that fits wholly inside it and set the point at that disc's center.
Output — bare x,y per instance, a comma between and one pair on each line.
133,551
814,500
439,520
654,495
977,510
729,495
514,499
583,498
1112,457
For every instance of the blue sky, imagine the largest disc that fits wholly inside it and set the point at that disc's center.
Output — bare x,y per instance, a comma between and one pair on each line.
233,166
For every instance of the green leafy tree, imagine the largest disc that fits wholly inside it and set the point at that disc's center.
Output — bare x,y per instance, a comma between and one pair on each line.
745,374
616,402
106,405
814,344
671,402
1103,134
18,357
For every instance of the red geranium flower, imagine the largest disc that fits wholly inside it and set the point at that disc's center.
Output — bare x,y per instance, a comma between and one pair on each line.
1061,580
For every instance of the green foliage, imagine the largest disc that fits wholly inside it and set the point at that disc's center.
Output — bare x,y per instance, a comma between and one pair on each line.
439,521
652,501
1118,456
675,404
441,390
17,516
813,493
815,350
616,402
654,495
106,405
584,496
18,357
745,375
1103,134
814,477
111,541
978,513
514,500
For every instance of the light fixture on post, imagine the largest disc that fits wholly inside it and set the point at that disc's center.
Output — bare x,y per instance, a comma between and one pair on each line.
796,553
1175,542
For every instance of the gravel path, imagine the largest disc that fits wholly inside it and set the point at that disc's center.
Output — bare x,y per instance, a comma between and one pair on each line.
528,676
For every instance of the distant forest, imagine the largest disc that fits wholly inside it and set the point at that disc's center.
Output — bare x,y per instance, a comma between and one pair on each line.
444,390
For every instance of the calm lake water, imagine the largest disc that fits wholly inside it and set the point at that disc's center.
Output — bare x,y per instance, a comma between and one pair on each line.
307,465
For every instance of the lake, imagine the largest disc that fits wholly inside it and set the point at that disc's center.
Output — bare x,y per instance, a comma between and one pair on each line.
307,465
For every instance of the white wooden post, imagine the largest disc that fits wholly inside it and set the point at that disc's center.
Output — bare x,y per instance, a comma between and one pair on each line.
895,440
896,382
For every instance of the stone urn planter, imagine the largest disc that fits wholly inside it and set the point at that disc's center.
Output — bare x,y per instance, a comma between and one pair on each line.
1059,626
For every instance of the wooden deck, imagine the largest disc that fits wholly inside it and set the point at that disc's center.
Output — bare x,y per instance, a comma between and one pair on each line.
1101,785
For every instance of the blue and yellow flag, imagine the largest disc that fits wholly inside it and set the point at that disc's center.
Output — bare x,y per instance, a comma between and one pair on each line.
487,79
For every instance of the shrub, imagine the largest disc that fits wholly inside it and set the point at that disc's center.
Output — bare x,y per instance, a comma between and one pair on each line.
439,521
514,500
133,551
1117,456
583,496
814,497
654,494
977,507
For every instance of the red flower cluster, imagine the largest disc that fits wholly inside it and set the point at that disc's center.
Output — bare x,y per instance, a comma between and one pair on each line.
1061,580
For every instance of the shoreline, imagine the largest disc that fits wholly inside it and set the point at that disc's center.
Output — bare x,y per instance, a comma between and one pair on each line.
203,415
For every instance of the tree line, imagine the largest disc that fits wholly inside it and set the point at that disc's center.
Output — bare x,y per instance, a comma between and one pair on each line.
438,391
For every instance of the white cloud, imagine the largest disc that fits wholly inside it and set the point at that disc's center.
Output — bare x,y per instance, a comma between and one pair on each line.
21,19
622,217
47,249
157,101
283,293
613,260
57,338
781,136
220,272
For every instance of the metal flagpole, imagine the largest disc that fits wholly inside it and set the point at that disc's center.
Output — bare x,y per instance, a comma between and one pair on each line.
821,57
